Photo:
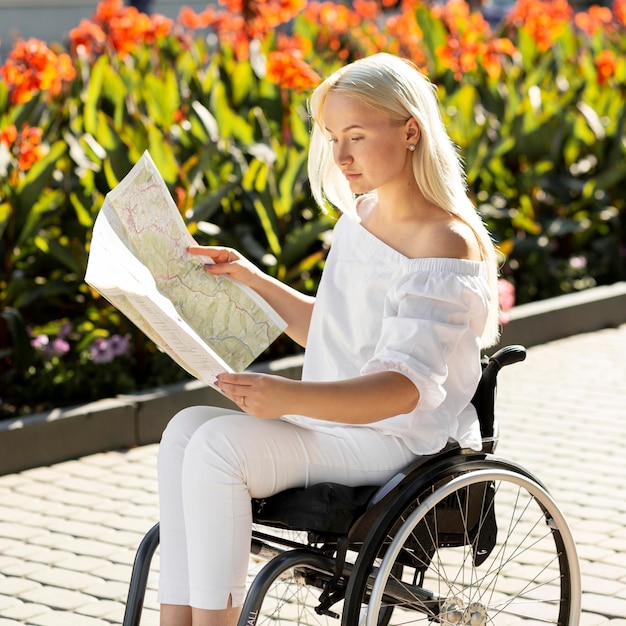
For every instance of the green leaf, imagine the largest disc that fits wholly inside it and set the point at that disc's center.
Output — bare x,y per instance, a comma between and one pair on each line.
267,223
163,156
302,238
92,98
6,211
162,98
59,252
37,216
83,213
114,89
31,187
22,350
243,83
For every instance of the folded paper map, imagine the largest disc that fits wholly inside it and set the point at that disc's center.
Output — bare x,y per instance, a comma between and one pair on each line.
139,262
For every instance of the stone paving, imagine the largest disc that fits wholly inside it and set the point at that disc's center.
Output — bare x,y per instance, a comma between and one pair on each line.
68,532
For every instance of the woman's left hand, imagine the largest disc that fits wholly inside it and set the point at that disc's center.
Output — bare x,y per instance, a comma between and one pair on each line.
261,395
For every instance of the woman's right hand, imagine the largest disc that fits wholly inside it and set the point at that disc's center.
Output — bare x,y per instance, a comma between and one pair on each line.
229,262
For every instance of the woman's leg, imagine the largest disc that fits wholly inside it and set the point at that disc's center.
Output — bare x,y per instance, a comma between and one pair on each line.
233,458
174,584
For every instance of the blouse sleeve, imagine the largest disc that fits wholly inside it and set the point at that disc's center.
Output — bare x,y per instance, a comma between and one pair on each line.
432,321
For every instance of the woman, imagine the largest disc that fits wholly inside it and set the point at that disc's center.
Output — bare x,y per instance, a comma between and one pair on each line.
393,338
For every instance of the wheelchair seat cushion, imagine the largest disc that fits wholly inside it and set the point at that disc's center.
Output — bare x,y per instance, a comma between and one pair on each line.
323,508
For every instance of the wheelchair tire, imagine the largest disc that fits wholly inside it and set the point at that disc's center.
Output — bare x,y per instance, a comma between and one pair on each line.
525,572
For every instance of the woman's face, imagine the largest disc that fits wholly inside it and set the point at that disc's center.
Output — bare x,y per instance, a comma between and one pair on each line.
370,151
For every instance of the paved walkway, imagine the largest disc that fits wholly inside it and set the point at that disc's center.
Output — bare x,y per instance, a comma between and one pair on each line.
68,532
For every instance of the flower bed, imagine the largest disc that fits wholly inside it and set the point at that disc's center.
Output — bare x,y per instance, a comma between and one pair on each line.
536,105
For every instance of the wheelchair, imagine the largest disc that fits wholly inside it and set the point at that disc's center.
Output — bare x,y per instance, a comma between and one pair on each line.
459,537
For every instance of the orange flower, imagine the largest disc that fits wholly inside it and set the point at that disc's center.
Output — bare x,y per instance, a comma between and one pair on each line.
121,27
192,20
469,44
160,26
366,9
25,145
107,9
406,34
8,135
619,10
287,67
337,17
543,19
32,67
605,63
30,150
594,19
87,38
458,18
261,16
492,59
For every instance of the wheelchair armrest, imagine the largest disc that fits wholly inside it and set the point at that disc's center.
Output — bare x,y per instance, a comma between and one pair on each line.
507,356
485,395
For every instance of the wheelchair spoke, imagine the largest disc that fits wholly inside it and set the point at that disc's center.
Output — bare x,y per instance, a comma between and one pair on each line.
525,574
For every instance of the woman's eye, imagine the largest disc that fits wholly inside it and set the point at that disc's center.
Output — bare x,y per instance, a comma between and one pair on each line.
355,139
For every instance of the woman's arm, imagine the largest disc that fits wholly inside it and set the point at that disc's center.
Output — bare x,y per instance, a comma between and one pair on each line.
361,400
294,307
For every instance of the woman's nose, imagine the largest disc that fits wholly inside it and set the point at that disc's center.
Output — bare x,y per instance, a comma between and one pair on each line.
342,154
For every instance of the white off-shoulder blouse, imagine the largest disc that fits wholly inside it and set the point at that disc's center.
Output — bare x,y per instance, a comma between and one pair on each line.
377,310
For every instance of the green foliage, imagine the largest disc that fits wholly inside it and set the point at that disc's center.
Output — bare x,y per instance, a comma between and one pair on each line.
542,139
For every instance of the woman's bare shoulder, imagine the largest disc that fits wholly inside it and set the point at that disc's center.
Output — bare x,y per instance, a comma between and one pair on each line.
448,238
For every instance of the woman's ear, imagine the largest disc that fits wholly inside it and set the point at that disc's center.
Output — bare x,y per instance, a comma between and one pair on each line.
412,131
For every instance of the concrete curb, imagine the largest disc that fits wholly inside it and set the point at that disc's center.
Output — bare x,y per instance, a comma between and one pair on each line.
139,419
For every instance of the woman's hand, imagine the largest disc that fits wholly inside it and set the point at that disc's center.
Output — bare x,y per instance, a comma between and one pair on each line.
228,261
360,400
294,307
262,395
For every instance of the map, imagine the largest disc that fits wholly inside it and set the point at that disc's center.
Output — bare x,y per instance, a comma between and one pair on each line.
139,262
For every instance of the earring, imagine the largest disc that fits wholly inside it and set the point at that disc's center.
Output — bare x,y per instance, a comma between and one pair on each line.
412,147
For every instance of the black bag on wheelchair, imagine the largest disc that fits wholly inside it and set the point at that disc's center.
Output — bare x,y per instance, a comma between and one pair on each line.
464,518
327,508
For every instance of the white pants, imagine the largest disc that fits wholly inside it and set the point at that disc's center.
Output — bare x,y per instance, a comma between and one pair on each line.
212,461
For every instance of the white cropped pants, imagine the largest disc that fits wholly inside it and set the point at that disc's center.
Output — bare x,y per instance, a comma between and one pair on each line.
212,461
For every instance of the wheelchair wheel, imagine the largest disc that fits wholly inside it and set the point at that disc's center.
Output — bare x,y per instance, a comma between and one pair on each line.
287,591
489,546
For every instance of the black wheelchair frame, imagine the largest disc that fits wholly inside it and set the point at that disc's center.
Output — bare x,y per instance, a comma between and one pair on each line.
459,537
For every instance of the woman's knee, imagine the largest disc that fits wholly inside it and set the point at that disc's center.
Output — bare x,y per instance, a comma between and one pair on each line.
180,430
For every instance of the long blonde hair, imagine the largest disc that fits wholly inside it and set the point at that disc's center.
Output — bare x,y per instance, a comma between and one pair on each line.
397,88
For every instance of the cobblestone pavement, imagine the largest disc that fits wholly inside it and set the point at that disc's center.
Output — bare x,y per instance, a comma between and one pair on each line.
68,532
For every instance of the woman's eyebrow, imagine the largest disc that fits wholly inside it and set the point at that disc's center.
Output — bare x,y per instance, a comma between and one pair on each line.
347,128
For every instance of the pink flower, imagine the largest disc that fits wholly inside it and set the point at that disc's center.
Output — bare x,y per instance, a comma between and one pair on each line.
104,350
506,298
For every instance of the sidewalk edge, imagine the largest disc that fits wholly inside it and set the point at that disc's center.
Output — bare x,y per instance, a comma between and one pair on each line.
138,419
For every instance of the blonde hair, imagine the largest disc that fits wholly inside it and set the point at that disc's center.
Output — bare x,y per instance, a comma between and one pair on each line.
395,87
